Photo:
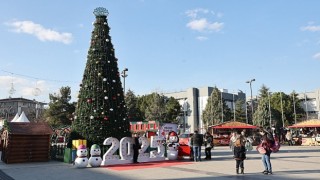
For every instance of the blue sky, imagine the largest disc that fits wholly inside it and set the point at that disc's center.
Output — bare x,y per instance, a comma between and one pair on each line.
167,45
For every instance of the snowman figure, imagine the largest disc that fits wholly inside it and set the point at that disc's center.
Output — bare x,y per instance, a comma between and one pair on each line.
173,144
95,158
82,159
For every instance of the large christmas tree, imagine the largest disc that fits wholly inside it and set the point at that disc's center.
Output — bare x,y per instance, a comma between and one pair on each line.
101,110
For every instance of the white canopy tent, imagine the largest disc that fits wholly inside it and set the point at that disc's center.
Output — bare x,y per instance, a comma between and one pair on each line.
15,118
22,118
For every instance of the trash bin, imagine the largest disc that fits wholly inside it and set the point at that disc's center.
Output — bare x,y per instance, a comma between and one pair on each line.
67,158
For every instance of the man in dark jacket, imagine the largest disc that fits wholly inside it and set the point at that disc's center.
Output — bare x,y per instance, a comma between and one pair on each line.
136,147
196,142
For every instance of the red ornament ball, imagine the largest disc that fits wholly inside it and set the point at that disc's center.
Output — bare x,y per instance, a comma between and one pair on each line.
89,100
106,118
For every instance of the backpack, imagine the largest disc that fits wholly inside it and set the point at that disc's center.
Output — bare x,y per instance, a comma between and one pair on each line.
248,146
276,146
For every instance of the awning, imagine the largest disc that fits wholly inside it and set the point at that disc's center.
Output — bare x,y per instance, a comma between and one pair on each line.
312,123
233,125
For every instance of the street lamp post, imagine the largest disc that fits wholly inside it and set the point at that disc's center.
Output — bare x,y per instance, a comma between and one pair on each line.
269,110
281,109
234,108
124,75
246,112
221,107
185,109
250,82
294,108
306,103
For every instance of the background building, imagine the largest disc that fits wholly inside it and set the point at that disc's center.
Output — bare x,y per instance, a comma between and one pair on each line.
194,101
311,103
11,106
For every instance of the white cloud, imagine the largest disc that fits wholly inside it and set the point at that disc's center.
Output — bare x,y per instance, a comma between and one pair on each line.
200,20
312,28
194,12
40,32
202,38
316,56
203,25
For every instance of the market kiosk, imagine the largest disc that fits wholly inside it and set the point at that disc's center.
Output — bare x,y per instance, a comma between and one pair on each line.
222,132
307,133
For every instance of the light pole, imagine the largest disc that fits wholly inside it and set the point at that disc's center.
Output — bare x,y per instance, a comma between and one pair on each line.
281,109
245,102
185,109
234,108
269,109
305,101
221,107
250,81
124,75
294,108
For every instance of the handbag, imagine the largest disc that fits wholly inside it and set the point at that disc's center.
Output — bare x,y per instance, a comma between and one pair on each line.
261,149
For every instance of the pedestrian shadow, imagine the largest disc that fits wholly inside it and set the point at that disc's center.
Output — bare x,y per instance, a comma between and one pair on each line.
298,151
230,157
278,175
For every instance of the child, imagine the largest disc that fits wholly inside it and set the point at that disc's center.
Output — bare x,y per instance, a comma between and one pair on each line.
239,154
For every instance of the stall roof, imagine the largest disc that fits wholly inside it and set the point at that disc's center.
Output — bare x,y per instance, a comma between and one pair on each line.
29,128
308,123
233,125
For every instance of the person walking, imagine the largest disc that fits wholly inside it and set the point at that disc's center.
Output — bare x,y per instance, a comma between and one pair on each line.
196,142
267,142
208,145
289,138
239,152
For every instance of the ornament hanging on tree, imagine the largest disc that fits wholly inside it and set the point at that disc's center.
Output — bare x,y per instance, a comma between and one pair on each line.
89,100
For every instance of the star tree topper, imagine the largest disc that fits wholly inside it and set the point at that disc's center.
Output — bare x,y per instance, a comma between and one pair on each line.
100,11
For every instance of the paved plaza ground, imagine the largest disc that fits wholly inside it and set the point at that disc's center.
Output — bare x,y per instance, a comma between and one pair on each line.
291,162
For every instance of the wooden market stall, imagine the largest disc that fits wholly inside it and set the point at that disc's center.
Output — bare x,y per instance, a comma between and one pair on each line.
222,132
308,132
26,142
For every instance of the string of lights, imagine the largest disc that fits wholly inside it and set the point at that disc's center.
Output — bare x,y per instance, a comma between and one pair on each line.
37,78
